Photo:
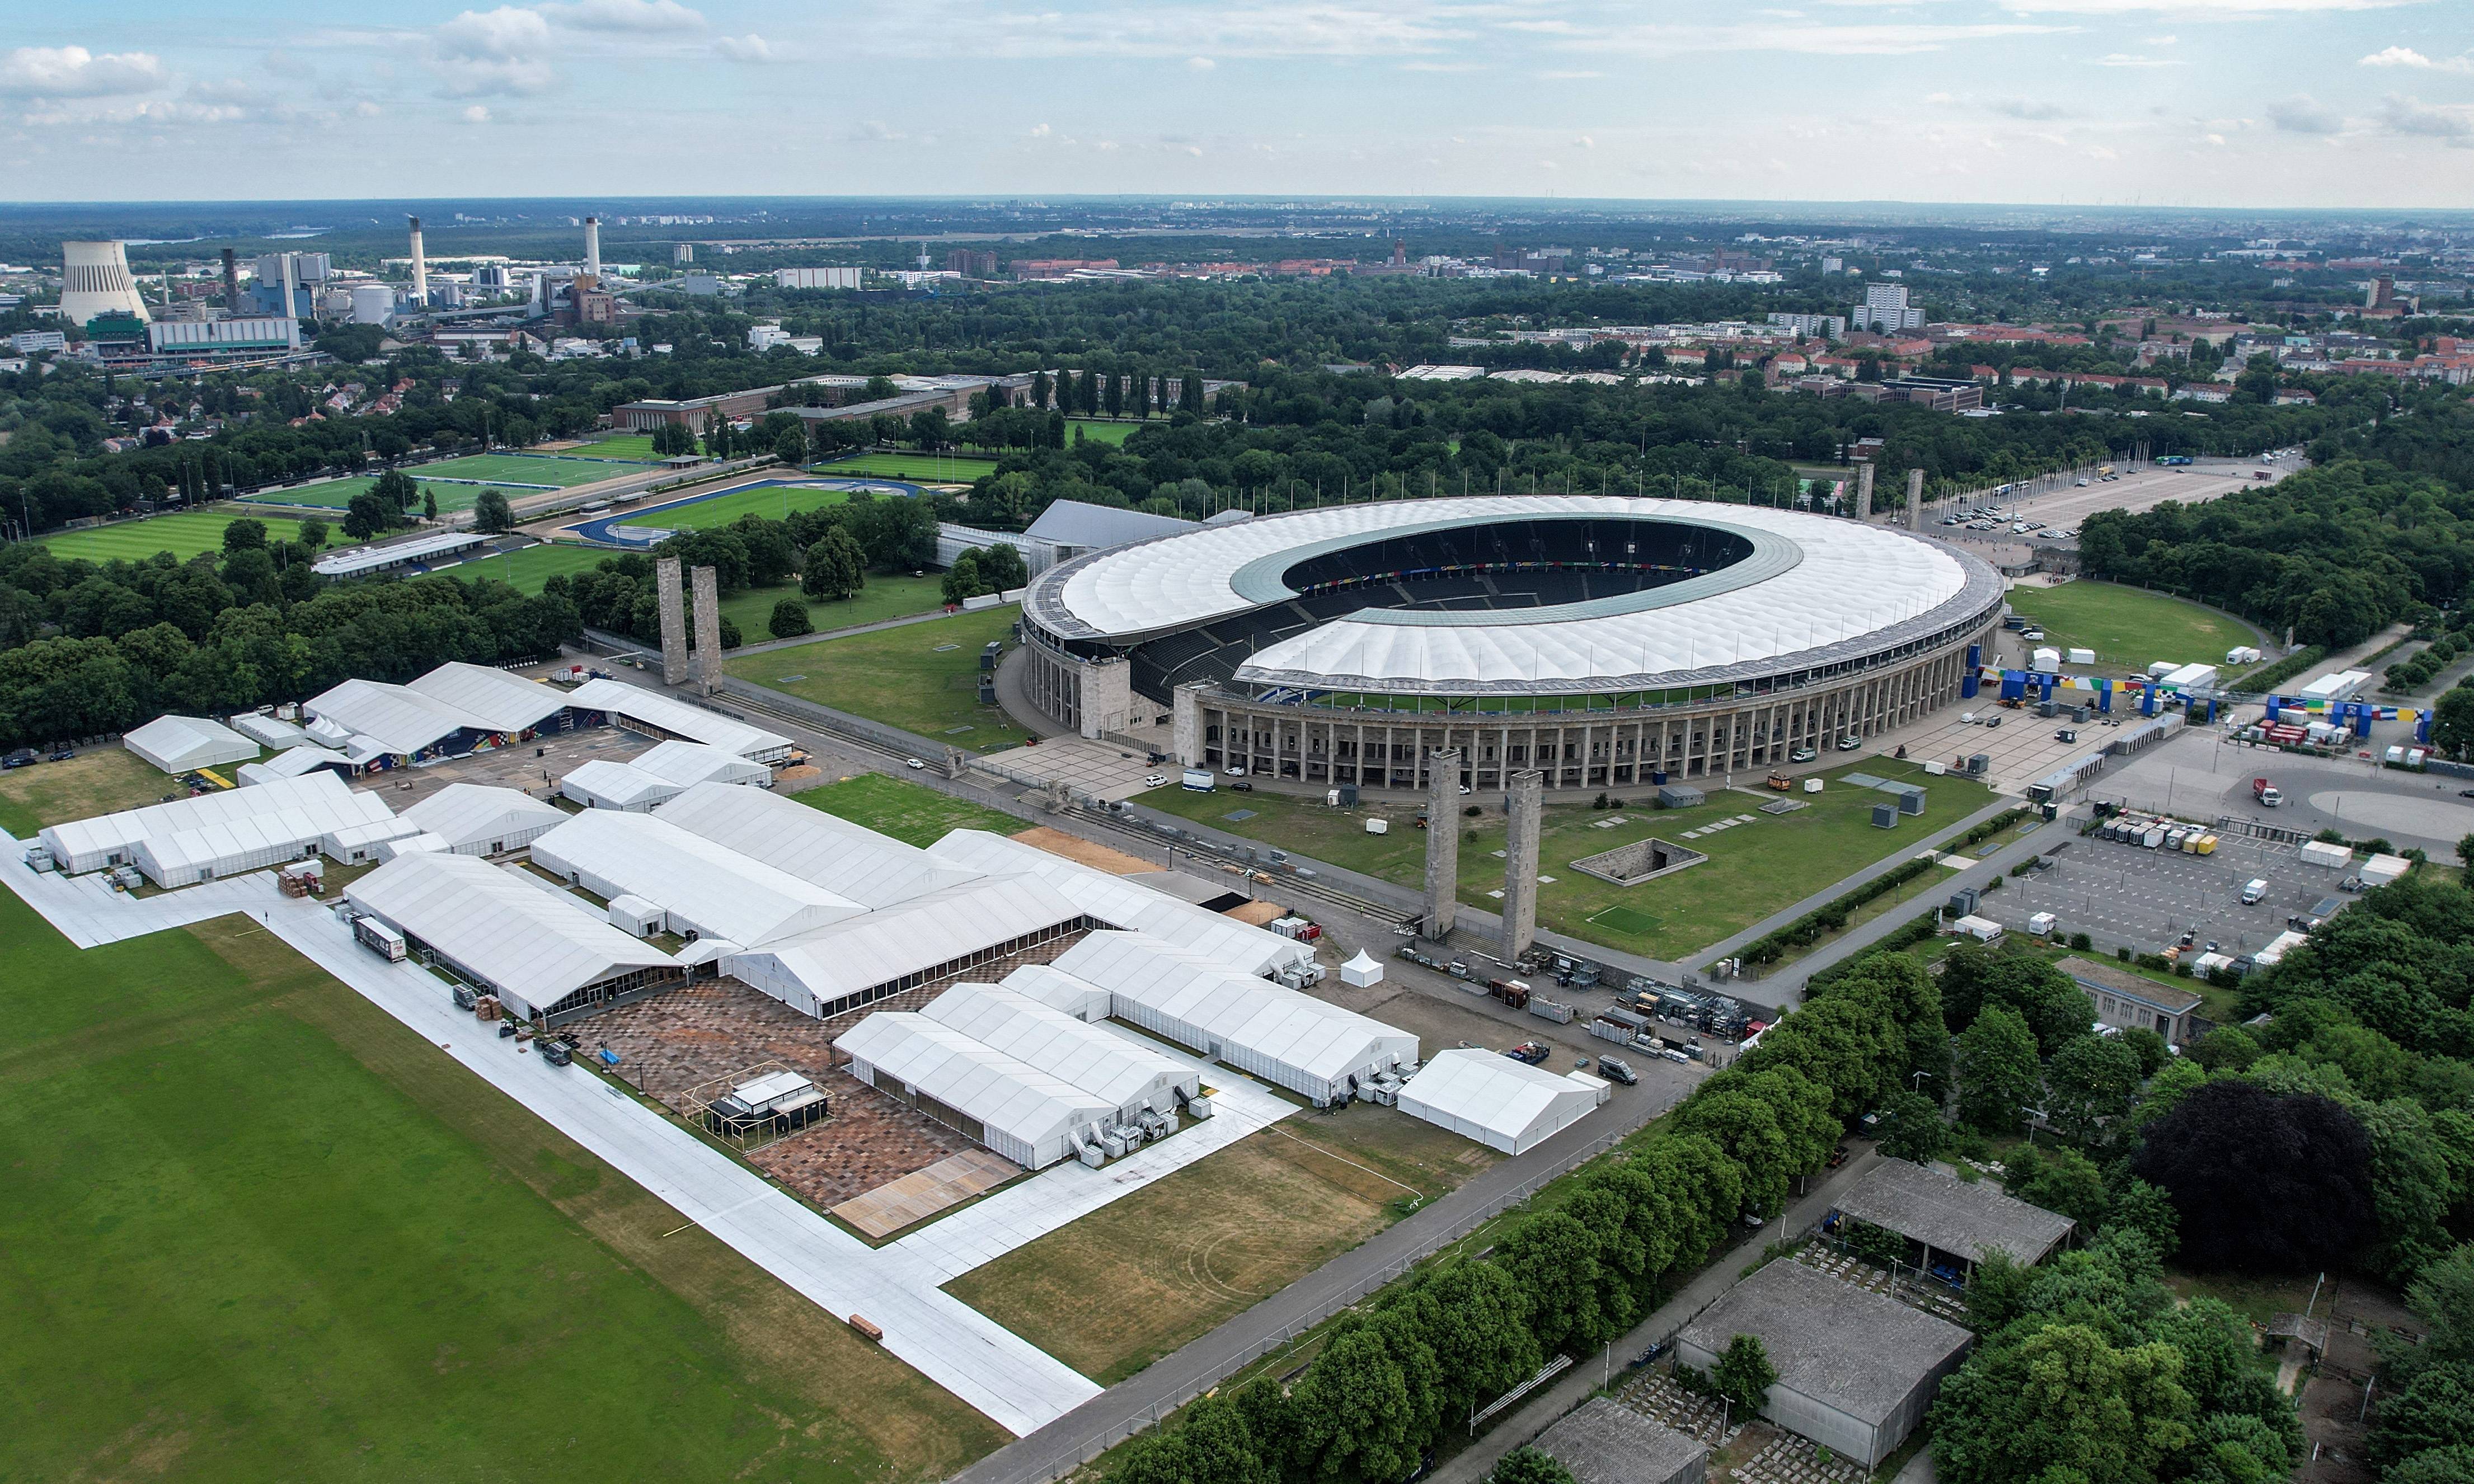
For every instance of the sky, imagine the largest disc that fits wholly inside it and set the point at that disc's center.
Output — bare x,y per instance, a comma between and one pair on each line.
2220,103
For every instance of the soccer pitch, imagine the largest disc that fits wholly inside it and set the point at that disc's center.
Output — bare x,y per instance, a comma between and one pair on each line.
527,567
519,469
774,504
636,446
184,535
919,468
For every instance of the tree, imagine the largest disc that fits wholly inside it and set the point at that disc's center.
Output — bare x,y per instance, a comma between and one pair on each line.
428,503
2452,725
1912,1129
2435,1410
1355,1403
2058,1179
2261,1180
962,579
1113,399
1997,1075
789,619
2465,850
792,447
1003,569
369,515
2049,1001
1742,1374
2228,1048
2091,1081
491,512
2061,1403
835,567
2145,1210
314,533
1528,1465
672,439
245,535
1039,390
397,489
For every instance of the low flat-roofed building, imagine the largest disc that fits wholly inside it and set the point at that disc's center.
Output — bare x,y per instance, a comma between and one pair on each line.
1856,1370
182,744
418,552
1952,1219
1605,1441
2132,1001
216,834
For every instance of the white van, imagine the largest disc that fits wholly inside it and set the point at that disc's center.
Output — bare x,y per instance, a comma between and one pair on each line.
2254,892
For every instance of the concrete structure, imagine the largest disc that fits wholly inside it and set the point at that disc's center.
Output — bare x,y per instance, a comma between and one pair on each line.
1502,1104
182,744
2127,1001
420,267
1856,1370
1949,1219
1608,1442
1885,309
1915,499
396,556
1864,476
1525,806
1442,845
707,665
1352,645
592,247
95,283
674,619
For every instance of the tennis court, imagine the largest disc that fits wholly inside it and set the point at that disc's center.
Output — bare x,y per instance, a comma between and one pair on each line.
920,468
184,535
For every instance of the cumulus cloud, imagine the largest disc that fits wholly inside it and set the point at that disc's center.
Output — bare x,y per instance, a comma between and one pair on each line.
1200,64
625,15
751,49
2408,115
2031,112
2302,114
484,52
74,72
477,114
2408,57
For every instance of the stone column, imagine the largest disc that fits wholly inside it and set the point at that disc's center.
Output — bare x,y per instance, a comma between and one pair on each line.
1520,862
1185,727
1915,499
1442,843
708,631
674,621
1865,491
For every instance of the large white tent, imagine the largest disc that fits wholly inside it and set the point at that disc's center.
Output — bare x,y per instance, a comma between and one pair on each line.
401,720
288,815
495,700
1130,905
654,715
1313,1048
1058,989
477,819
839,856
1031,1117
866,958
295,762
543,953
1104,1064
182,744
707,892
1502,1104
659,775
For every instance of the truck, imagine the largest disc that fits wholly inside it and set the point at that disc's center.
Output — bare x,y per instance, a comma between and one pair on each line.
1198,780
1618,1024
2265,793
2254,891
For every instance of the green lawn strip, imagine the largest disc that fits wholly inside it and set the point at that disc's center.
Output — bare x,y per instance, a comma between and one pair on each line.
884,598
100,780
184,534
917,468
2127,627
521,469
911,813
922,677
258,1230
635,448
527,567
1102,430
1754,869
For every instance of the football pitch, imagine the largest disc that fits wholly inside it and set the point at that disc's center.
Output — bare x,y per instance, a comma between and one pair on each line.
527,567
184,535
635,447
920,468
774,504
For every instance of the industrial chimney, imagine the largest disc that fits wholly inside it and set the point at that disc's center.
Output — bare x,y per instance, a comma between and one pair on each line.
231,283
592,247
419,269
290,270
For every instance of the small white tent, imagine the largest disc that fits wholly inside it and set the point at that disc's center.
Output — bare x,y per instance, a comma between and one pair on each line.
1500,1102
1360,971
180,745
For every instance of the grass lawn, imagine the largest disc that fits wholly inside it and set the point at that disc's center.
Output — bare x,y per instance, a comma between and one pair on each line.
884,598
336,494
257,1229
1754,869
98,781
184,534
2128,628
637,447
913,814
1102,430
1139,1277
920,468
774,504
527,567
922,677
519,469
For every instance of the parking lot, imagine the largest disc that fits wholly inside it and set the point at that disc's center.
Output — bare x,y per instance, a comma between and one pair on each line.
2061,504
2020,750
535,766
2125,896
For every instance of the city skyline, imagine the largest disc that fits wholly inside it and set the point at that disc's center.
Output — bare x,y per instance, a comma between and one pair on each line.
2212,103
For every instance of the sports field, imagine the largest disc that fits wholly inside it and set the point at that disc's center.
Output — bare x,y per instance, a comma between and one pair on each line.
1102,430
884,598
638,447
2129,628
184,535
775,504
922,677
911,812
257,1229
519,469
920,468
526,569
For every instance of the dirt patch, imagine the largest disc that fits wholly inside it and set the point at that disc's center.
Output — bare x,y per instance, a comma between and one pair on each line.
1073,847
1259,914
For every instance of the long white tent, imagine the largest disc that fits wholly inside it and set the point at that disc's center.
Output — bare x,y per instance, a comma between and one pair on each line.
1502,1104
706,891
295,762
477,819
1060,990
543,953
658,776
495,700
1315,1049
839,856
180,745
288,814
1104,1064
654,715
1130,905
398,718
1031,1117
909,944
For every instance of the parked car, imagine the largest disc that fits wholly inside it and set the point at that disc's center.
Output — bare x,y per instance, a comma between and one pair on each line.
1615,1069
63,754
23,757
912,763
1850,742
1801,755
1153,780
1235,770
1241,787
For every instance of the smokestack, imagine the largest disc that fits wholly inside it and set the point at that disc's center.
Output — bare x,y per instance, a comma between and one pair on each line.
593,246
419,268
231,283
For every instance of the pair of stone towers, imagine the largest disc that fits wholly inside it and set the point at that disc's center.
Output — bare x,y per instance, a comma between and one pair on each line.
679,665
1526,804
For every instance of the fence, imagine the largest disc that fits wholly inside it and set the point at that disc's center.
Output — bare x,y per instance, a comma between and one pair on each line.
1459,1223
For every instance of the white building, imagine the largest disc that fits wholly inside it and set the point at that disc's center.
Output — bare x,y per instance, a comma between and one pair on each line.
660,774
183,744
1315,1049
1060,990
1031,1117
216,834
544,954
1885,309
492,700
1500,1102
906,946
296,762
476,819
707,892
1115,1068
659,717
844,858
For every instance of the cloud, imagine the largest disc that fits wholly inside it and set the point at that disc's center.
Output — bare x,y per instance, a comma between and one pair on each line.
1570,77
485,52
2031,112
2128,60
638,16
1040,131
751,49
1440,66
365,109
2159,40
1200,64
2302,114
1899,40
74,72
1586,142
477,114
2408,57
2408,115
2196,9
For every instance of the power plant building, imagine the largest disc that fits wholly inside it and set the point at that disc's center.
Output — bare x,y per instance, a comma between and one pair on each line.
96,284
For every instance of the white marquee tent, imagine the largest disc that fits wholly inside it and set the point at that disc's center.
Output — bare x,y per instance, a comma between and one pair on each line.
398,718
494,700
1058,989
288,815
839,856
1104,1064
1311,1047
180,745
1031,1117
477,819
659,775
639,709
866,958
707,892
295,762
1500,1102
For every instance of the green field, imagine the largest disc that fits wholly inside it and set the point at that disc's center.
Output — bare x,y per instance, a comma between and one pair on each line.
336,494
774,504
526,568
1754,869
918,468
922,677
637,446
100,780
521,469
258,1230
911,812
184,535
884,598
2130,629
1102,430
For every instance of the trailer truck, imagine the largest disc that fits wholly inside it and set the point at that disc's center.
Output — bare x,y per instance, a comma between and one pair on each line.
2265,793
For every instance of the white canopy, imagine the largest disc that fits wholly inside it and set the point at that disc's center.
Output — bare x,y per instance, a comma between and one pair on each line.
1103,1064
834,853
400,718
480,820
706,889
307,808
1500,1102
534,948
180,745
646,711
1060,990
1029,1116
660,774
495,700
294,763
1360,971
863,958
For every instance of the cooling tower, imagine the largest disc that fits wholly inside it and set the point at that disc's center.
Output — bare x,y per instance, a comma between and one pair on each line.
94,279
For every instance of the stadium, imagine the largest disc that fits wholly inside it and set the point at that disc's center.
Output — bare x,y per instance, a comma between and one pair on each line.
1606,641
